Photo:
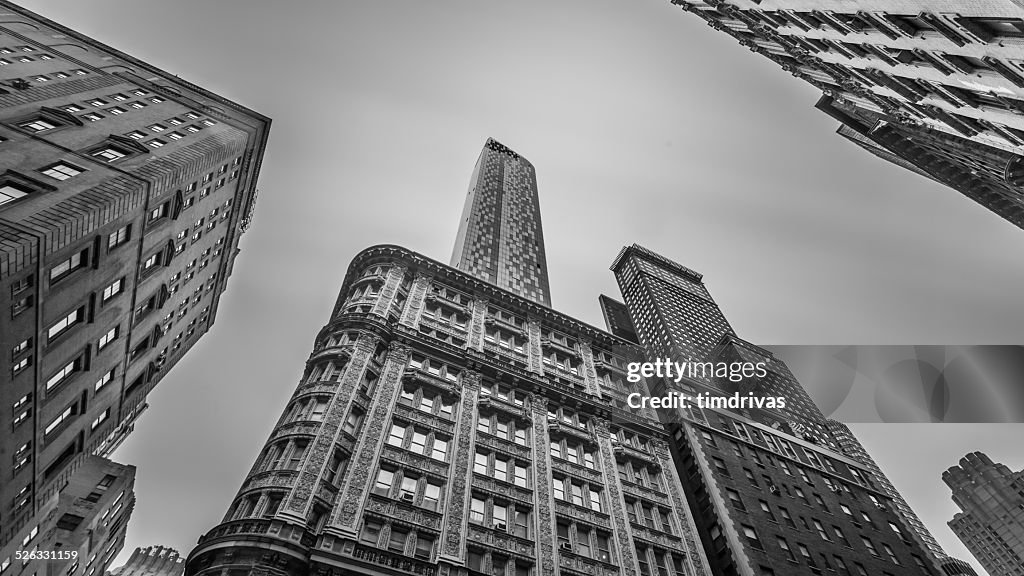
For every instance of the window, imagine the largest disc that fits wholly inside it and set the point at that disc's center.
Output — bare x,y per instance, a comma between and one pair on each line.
107,377
424,546
353,422
115,288
110,153
62,418
92,116
62,171
786,549
100,419
889,552
65,323
65,268
109,337
735,500
119,237
385,479
22,346
38,125
116,110
869,545
155,143
370,532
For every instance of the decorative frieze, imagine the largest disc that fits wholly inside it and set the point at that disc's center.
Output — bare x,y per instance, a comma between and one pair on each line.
404,512
502,541
585,514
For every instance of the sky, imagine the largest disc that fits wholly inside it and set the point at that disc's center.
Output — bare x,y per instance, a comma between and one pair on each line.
644,125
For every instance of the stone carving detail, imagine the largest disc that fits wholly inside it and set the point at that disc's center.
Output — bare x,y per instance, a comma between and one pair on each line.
502,541
414,304
452,537
320,449
275,479
411,460
502,489
585,514
585,565
614,493
542,475
428,420
387,293
534,363
590,381
368,446
476,324
696,564
404,513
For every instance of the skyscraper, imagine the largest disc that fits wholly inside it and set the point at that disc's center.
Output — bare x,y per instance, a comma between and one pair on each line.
124,191
935,86
991,523
771,489
447,424
500,237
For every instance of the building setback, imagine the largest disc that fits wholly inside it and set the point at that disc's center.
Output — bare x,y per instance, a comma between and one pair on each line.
991,523
772,491
124,191
932,90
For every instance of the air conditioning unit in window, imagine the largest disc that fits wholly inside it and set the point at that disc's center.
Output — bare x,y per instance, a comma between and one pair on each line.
565,546
500,526
774,489
408,497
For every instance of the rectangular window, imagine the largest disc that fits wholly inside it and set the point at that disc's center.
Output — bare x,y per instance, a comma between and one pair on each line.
62,171
74,262
385,478
109,154
66,323
64,416
119,237
109,337
105,379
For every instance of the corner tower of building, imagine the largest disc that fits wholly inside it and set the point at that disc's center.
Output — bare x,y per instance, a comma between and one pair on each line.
500,237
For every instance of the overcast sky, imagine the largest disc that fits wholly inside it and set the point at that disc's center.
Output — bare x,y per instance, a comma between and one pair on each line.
644,126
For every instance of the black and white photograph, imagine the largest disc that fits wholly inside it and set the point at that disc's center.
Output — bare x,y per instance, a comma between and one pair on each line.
535,288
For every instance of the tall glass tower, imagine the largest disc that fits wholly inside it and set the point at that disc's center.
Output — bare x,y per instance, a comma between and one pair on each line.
500,236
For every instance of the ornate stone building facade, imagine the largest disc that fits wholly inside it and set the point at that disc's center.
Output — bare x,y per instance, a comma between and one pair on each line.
772,490
124,191
935,85
445,426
